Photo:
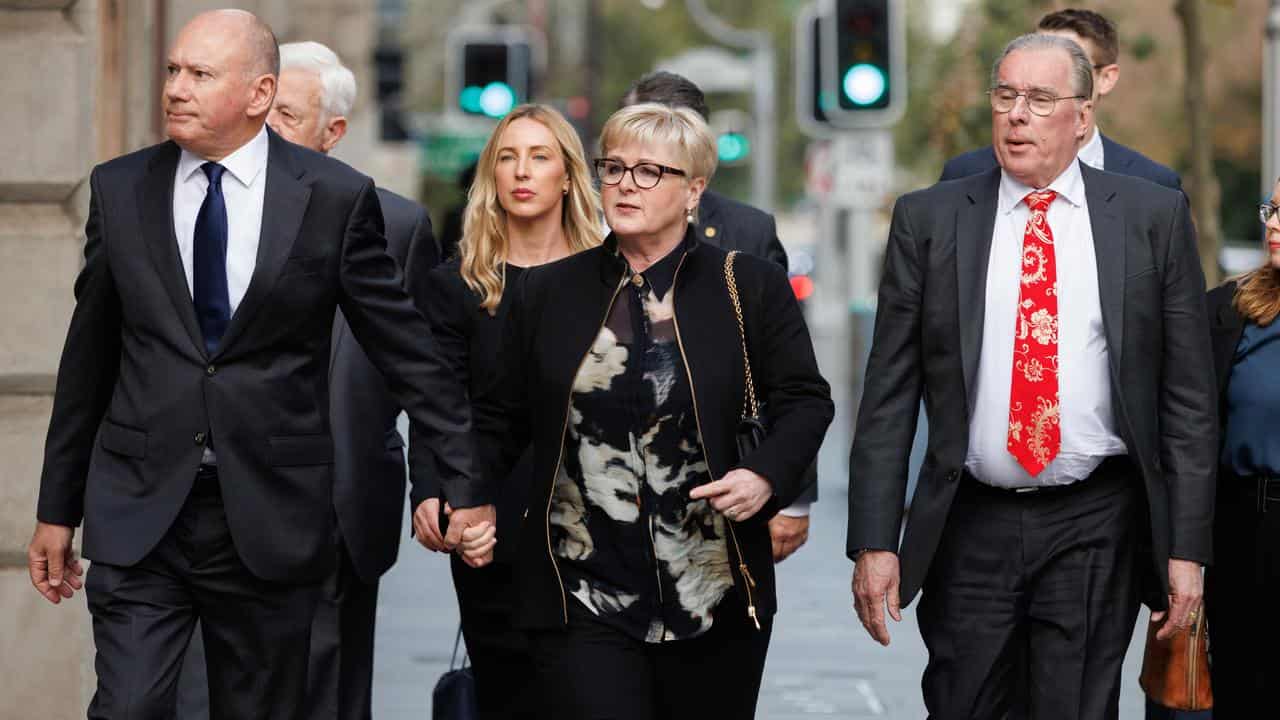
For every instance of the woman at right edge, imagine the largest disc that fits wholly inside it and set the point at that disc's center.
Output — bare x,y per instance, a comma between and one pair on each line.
1244,579
645,570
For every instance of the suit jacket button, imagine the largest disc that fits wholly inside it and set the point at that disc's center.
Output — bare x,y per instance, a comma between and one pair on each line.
211,370
953,476
199,438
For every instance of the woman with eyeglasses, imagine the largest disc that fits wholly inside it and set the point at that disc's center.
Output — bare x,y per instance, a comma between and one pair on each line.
1245,576
645,569
531,202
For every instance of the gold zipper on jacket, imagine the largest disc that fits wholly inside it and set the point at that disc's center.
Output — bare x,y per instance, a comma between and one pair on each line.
747,581
568,406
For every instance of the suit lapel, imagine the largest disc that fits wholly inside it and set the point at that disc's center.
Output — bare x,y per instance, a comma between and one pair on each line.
975,222
1109,256
283,207
155,201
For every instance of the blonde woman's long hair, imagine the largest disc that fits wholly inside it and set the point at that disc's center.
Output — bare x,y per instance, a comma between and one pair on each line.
483,247
1258,295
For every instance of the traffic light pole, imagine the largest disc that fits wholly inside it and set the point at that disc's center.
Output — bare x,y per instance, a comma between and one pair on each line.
763,96
1271,101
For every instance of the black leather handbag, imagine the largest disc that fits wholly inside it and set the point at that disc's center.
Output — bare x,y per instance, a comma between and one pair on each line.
751,426
454,697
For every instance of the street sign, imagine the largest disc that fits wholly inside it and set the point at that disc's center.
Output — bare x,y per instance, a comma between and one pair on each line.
863,168
450,142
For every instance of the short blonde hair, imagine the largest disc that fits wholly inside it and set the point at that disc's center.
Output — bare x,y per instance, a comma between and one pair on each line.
653,124
483,246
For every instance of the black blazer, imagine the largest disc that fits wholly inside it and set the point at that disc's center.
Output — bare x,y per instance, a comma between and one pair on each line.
1118,158
138,398
927,337
556,314
368,452
1226,326
731,225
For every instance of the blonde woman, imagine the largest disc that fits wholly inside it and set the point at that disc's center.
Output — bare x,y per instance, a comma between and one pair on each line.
645,569
1245,575
532,202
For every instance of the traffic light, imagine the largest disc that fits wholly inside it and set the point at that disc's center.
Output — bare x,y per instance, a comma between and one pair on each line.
491,69
850,63
733,135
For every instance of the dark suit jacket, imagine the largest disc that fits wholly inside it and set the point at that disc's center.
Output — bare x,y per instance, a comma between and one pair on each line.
731,225
1117,158
927,337
1226,325
368,452
138,398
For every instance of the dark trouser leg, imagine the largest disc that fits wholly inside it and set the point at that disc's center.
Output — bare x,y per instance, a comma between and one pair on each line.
1082,597
716,675
499,652
142,621
1243,580
256,633
340,667
193,683
971,611
591,671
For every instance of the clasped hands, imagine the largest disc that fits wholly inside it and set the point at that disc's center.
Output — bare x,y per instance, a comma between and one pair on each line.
472,533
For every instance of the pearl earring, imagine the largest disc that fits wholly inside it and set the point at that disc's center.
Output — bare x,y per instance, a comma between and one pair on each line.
689,217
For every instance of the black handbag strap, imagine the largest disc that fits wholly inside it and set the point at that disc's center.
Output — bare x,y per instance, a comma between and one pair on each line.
457,641
751,407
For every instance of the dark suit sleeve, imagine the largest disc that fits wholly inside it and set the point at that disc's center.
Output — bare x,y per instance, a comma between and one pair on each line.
774,252
423,255
1188,398
398,340
86,377
796,397
891,397
445,306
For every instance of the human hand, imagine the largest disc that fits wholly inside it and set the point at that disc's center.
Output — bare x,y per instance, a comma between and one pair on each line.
738,495
55,571
426,525
876,578
460,519
478,542
1186,590
788,535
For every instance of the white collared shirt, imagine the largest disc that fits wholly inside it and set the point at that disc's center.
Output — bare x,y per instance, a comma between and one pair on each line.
243,188
1084,382
1093,153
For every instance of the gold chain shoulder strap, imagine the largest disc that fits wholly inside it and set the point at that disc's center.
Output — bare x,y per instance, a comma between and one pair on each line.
751,408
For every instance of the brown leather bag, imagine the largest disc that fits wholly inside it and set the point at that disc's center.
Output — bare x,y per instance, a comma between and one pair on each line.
1175,672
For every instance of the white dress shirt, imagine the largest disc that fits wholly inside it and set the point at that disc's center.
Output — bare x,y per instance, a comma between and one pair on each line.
1084,383
1093,153
244,186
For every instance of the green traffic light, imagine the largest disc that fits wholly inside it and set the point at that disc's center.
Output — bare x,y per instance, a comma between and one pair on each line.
497,99
864,84
732,147
469,99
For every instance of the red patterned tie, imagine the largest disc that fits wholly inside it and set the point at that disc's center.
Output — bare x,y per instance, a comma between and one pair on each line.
1034,434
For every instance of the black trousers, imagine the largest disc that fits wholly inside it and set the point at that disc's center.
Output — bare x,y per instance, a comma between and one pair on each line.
255,632
593,672
1240,587
1031,600
340,665
501,660
340,668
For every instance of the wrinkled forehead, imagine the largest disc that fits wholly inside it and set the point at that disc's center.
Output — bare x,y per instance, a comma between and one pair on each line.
1036,69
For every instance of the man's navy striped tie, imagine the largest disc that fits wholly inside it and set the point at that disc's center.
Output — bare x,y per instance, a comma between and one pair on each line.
212,301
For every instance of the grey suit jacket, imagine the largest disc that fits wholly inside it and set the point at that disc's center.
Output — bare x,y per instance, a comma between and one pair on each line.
928,333
368,451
